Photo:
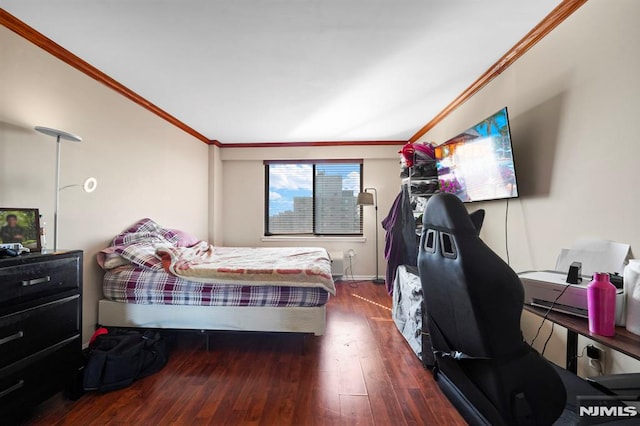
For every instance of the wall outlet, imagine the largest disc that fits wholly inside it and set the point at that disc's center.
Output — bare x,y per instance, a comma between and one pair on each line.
594,352
595,355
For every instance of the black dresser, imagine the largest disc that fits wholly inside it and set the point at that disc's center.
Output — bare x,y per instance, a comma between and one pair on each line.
40,328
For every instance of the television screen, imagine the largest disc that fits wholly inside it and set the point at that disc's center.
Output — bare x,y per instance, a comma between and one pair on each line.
477,165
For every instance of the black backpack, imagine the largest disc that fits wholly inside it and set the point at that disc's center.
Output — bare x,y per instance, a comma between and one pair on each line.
119,358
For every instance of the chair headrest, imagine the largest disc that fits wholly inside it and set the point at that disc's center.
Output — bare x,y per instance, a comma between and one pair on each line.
446,212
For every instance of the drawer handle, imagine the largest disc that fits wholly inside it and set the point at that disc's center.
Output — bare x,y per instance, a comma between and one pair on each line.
18,335
42,280
12,389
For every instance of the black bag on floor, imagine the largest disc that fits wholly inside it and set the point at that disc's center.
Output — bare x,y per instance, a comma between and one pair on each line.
119,358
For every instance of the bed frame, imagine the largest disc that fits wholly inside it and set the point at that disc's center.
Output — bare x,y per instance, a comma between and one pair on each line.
210,318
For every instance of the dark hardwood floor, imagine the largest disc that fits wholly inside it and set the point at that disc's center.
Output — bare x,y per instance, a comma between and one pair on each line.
361,372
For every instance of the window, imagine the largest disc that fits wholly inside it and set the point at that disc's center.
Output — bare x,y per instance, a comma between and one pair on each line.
313,197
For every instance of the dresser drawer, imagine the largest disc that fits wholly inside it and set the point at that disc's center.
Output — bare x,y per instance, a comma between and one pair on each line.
32,330
23,388
35,279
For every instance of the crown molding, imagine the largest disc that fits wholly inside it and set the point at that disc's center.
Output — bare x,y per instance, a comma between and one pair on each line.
552,20
557,16
310,144
25,31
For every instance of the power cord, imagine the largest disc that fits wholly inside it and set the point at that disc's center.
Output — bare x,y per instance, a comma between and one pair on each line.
600,368
506,232
595,361
582,353
544,318
544,348
353,283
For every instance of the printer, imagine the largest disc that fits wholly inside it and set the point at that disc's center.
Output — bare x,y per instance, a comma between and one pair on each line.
542,288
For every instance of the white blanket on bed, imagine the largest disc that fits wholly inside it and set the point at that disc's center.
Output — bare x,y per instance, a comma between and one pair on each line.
281,266
149,246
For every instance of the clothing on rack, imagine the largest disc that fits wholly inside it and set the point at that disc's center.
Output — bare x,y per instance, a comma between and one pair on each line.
401,247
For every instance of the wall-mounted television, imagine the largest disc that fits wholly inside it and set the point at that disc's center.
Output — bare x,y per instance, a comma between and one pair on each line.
477,165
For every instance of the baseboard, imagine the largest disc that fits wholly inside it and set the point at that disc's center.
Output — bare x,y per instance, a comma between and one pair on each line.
349,278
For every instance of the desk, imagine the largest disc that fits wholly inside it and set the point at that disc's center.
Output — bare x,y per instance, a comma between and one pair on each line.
624,341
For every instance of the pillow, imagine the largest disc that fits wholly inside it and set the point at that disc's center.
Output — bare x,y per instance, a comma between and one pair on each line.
145,228
109,259
184,238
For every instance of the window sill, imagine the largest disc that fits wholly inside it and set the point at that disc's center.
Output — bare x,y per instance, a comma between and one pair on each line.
316,239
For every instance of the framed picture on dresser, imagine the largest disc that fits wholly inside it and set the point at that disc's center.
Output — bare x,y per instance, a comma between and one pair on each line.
20,225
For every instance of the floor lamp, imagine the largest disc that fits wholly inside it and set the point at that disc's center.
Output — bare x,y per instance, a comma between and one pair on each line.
89,185
367,198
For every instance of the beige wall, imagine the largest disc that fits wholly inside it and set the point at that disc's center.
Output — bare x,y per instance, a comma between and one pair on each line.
216,190
145,167
573,101
243,197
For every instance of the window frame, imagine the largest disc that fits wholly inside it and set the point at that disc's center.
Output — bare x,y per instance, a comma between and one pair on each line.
313,163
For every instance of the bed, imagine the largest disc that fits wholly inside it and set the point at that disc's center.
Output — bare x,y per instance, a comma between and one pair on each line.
162,278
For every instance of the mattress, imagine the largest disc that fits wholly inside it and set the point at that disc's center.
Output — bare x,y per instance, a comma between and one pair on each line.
129,284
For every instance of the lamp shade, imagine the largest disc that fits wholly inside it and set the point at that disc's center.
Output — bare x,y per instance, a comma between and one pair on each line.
365,199
58,133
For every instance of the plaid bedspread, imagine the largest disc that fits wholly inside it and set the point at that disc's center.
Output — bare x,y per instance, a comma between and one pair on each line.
129,284
278,277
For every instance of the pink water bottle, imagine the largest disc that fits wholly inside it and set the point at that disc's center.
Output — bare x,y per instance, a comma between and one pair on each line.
601,302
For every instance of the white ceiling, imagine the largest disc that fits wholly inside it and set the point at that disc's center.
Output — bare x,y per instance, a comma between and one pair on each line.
290,70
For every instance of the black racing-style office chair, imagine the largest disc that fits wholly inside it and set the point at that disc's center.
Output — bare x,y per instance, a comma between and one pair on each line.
474,301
